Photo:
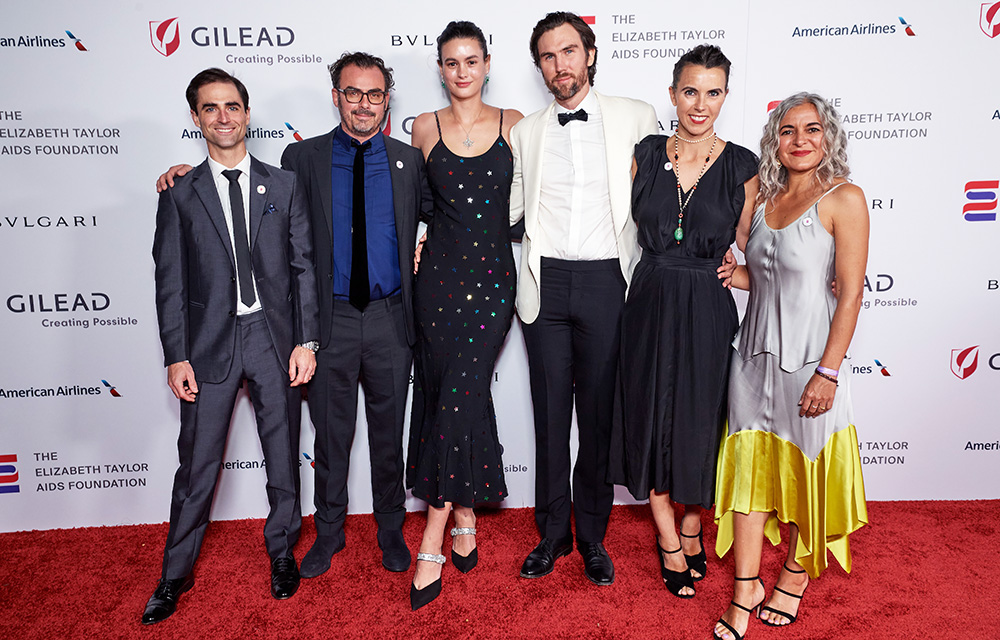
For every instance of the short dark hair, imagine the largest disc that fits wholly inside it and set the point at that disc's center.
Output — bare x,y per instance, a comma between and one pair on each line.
704,55
208,76
364,61
557,19
462,29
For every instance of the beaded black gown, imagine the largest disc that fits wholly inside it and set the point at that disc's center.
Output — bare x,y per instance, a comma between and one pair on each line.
677,327
463,306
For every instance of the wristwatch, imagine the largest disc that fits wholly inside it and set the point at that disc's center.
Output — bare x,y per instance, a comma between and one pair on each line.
312,345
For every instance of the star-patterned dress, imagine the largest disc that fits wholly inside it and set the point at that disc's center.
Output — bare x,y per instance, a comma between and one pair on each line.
463,305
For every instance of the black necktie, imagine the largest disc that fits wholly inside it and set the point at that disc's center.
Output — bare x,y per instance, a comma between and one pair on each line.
244,271
360,292
580,115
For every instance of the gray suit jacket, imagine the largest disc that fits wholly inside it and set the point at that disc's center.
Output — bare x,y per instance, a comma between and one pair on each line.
411,198
196,271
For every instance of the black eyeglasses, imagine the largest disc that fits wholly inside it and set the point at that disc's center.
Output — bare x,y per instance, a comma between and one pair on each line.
352,95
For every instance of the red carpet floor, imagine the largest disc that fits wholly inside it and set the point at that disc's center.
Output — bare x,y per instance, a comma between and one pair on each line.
921,570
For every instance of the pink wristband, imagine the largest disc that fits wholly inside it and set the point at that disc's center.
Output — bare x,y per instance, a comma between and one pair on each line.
829,372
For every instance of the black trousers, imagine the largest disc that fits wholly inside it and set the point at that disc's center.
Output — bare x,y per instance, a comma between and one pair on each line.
573,356
369,347
202,444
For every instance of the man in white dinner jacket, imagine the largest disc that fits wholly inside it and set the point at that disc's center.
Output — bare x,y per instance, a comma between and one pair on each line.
572,186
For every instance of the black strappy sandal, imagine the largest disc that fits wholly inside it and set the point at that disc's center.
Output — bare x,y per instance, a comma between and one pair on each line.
674,581
756,607
790,617
699,561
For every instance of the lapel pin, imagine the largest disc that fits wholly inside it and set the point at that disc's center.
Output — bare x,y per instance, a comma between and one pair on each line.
270,208
399,164
807,222
668,166
261,189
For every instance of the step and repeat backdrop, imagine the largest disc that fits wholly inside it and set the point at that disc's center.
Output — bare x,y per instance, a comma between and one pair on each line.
92,110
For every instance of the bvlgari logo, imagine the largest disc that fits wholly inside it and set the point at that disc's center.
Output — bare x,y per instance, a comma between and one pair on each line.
964,361
165,35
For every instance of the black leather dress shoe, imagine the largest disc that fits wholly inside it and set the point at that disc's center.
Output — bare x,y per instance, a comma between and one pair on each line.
597,563
395,554
317,560
284,578
163,602
542,559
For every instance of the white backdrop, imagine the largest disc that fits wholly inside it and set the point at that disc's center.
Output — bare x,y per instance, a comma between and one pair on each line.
92,110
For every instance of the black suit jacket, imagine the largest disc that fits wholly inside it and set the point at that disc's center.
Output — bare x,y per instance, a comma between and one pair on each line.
411,198
196,271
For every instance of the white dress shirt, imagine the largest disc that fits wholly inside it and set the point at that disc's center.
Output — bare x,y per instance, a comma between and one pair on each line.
222,185
574,207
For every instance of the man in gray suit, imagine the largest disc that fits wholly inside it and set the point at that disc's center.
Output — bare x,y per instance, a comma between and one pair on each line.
236,300
366,193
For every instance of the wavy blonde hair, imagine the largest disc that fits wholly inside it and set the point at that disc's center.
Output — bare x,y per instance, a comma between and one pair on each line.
773,175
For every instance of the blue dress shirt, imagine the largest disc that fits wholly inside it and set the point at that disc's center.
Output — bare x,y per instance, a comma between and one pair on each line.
380,218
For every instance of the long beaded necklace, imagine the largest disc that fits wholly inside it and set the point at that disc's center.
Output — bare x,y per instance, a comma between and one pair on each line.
683,203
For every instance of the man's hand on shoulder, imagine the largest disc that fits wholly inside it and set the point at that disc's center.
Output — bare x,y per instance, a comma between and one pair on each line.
167,179
180,379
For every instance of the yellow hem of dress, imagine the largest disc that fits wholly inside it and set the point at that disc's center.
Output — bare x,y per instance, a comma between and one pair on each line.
758,471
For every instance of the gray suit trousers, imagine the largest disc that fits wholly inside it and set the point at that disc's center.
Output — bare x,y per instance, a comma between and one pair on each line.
202,443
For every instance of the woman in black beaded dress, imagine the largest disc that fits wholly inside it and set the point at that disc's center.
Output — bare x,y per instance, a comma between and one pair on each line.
463,304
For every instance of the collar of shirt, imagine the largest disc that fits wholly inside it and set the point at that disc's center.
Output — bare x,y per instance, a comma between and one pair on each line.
343,139
217,169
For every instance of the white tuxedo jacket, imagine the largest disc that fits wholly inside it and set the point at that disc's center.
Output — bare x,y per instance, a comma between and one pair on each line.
626,122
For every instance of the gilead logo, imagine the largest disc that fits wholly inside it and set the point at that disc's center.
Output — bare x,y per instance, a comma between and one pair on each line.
165,36
989,19
964,361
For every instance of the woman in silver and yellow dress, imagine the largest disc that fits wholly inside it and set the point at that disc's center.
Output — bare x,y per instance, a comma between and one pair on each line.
791,451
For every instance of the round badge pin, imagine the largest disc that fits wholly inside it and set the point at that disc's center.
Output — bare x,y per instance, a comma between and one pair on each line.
668,166
261,189
806,222
399,164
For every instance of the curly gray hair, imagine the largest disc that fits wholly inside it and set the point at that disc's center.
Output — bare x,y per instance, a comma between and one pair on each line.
773,175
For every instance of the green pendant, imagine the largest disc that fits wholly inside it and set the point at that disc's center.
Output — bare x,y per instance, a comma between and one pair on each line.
678,234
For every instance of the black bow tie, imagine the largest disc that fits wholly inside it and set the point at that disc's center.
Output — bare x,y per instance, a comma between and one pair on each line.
580,115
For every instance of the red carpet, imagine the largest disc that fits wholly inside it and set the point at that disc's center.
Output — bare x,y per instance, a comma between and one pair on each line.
921,570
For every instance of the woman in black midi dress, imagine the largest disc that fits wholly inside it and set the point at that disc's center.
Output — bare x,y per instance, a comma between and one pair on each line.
679,319
463,306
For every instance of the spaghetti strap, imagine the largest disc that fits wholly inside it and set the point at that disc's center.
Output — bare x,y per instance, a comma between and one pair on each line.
830,190
501,123
438,123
